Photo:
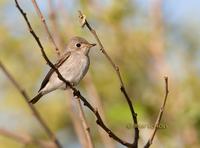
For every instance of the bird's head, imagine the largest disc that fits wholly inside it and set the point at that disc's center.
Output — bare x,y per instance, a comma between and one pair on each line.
79,44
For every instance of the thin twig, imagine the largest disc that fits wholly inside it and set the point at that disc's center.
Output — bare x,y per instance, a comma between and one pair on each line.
96,100
84,22
76,122
25,138
157,39
159,115
76,92
37,9
54,23
32,108
85,125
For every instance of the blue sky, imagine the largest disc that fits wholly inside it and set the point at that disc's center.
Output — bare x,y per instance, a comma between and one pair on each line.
175,11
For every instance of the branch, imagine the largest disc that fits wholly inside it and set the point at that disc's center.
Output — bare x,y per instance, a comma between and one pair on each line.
96,100
159,115
86,128
26,139
76,122
84,22
32,108
76,92
37,9
54,23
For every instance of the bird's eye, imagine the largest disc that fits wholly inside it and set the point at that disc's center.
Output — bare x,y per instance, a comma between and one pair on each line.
78,45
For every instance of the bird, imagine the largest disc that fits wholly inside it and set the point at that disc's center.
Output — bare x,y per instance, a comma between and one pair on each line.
73,64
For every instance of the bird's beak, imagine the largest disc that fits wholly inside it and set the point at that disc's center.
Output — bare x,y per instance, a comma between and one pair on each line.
92,45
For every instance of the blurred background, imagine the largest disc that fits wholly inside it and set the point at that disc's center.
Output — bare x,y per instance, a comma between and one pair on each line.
147,39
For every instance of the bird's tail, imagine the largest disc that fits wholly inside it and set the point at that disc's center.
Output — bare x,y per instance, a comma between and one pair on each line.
36,98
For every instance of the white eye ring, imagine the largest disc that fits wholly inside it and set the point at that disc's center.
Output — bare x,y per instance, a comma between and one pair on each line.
78,45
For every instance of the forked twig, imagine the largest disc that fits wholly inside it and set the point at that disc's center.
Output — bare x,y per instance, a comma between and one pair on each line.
84,22
156,125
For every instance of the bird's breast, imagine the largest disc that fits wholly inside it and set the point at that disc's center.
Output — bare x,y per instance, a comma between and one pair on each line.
75,68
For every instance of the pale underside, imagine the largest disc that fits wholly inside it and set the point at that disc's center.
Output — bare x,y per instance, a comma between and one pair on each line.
73,69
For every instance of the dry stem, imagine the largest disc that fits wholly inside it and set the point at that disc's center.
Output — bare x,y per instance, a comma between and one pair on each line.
45,26
26,139
85,125
32,108
156,125
84,22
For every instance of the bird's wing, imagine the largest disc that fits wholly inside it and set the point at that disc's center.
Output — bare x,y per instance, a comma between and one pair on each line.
57,65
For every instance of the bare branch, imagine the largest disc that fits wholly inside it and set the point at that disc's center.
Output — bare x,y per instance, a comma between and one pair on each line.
54,23
84,123
148,144
32,108
22,138
84,22
37,9
96,100
76,122
75,91
26,139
